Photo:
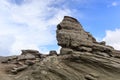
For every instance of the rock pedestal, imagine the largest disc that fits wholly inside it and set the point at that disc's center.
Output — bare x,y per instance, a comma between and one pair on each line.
71,35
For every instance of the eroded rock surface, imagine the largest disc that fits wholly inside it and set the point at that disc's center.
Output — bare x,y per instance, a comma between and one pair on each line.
71,35
81,58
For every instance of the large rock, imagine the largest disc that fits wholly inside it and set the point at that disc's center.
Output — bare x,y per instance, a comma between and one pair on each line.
31,52
26,57
29,55
71,35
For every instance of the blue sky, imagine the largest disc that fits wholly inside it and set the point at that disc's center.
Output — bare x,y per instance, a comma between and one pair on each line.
31,24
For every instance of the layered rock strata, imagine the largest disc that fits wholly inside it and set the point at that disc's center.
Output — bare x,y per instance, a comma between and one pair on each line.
72,37
81,58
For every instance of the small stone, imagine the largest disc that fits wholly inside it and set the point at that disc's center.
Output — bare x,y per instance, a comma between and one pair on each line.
14,71
29,62
102,43
4,61
44,72
96,75
89,77
53,52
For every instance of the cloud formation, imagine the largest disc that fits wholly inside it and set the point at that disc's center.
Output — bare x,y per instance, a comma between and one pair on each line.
113,38
114,3
29,24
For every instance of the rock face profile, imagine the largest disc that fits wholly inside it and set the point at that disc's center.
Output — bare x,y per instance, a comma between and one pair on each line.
71,35
81,58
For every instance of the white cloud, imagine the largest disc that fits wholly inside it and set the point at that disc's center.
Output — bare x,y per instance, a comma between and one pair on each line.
29,25
113,38
114,4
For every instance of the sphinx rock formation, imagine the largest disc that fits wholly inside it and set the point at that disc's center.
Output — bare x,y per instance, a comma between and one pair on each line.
81,58
72,37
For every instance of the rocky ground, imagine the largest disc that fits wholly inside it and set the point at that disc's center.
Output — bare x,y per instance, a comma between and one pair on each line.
81,58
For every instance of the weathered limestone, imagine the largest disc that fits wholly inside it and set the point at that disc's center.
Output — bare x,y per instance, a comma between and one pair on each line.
72,36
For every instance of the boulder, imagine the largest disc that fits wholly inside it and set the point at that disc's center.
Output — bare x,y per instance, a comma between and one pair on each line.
29,51
32,52
4,60
53,52
26,57
102,43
